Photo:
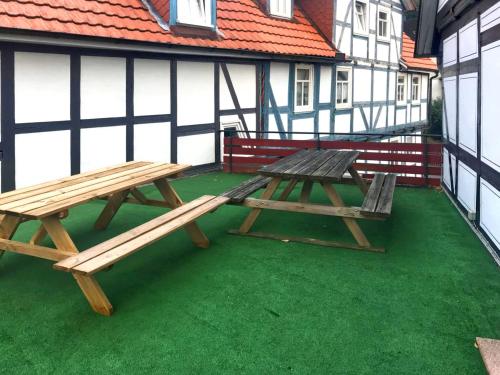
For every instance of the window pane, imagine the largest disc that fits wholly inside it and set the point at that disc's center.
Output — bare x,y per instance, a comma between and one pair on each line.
306,93
382,16
299,94
342,75
303,74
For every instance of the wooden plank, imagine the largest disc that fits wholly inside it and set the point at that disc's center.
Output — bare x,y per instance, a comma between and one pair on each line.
112,256
384,205
170,195
490,353
78,188
270,142
61,183
309,241
288,189
323,157
359,180
326,167
337,172
240,192
115,201
351,224
306,191
307,208
307,159
94,294
254,214
108,189
372,197
284,163
38,236
389,168
97,250
34,250
58,234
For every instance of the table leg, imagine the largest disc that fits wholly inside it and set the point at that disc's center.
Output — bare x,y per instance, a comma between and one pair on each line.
360,181
289,188
306,191
254,214
172,198
114,203
88,284
351,223
8,226
39,235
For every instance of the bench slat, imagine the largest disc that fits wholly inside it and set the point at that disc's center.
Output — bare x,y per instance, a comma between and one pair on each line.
240,192
84,256
371,199
112,256
385,201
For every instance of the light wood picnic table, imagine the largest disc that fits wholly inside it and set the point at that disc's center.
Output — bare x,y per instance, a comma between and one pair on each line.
324,167
49,203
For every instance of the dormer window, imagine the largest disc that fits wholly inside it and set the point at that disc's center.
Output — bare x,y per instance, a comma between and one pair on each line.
281,8
195,12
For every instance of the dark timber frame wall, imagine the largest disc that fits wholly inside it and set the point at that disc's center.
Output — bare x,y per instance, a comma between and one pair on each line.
483,170
75,124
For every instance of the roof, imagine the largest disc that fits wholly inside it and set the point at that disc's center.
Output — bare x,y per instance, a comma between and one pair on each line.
408,59
242,25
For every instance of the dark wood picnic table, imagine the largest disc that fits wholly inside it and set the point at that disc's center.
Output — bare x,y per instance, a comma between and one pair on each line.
324,167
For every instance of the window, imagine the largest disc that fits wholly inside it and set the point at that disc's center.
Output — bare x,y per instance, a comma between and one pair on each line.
360,17
383,24
415,88
281,8
195,12
343,87
303,88
401,88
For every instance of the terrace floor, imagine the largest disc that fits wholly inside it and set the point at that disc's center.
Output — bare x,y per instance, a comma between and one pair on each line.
258,306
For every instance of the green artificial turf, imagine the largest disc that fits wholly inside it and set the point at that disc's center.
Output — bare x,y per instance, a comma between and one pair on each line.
258,306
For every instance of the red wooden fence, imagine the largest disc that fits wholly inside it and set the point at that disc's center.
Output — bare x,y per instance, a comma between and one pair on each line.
416,164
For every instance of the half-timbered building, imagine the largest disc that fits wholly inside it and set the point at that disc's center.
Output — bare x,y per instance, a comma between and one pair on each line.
90,83
465,36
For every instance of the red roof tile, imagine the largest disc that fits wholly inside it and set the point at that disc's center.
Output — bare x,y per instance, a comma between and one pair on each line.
242,25
411,62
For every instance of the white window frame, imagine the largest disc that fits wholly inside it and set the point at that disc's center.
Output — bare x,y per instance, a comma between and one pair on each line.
309,106
419,85
387,11
281,8
347,104
195,12
405,88
356,28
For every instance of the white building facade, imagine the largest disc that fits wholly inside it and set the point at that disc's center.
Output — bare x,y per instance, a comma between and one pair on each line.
157,80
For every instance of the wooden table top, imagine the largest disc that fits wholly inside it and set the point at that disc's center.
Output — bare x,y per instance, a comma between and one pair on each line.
320,165
55,196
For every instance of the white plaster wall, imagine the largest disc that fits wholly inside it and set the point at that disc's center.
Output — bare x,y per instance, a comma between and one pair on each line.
279,82
303,125
195,93
466,191
415,114
390,120
343,44
359,124
446,169
379,85
400,116
102,147
423,111
274,127
42,87
383,51
36,162
490,17
151,87
490,108
392,85
424,79
382,117
362,85
325,86
467,112
450,88
103,87
244,83
152,142
324,122
468,43
372,42
196,149
343,123
360,47
490,207
450,50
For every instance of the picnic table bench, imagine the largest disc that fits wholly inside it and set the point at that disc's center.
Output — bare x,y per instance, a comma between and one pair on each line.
325,167
50,202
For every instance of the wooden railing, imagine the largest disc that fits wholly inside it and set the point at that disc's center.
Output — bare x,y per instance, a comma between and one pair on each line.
416,164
